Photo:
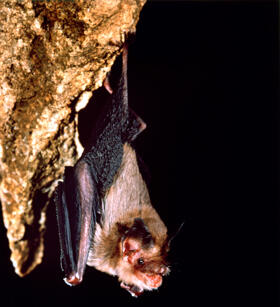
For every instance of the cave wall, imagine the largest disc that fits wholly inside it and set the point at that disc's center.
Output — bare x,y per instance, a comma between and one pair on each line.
53,55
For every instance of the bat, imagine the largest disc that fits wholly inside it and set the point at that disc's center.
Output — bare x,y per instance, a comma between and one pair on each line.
104,212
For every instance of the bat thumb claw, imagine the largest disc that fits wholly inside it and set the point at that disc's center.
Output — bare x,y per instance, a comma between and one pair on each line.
72,280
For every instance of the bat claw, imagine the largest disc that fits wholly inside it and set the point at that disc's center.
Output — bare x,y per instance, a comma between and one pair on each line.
72,280
107,85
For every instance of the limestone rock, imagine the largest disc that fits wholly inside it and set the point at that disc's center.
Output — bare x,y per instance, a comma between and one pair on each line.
53,54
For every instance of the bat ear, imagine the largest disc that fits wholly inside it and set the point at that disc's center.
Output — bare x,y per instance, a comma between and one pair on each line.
140,231
131,245
131,248
135,238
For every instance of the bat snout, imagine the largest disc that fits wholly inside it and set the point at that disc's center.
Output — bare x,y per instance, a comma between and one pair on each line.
155,267
162,270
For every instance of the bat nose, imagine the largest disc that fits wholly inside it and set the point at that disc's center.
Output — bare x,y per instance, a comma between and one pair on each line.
162,270
155,267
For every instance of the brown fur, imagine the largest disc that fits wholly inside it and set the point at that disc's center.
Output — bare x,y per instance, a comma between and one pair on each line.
126,200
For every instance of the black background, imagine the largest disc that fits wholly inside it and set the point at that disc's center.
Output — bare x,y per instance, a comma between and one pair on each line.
204,77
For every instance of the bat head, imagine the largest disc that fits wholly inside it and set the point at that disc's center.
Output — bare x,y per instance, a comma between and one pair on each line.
142,263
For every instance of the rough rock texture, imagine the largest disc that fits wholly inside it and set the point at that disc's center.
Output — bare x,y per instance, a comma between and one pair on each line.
53,54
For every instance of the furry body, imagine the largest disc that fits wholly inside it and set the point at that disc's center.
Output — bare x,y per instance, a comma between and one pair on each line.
105,252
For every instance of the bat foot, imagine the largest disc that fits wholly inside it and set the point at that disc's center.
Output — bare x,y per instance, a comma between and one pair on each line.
133,290
72,280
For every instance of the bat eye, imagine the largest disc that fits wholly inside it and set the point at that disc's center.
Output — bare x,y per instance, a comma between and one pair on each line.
141,261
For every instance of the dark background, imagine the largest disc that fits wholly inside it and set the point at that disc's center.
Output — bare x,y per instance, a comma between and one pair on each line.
204,77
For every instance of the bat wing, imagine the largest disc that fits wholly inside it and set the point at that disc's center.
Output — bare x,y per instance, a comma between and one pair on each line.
77,203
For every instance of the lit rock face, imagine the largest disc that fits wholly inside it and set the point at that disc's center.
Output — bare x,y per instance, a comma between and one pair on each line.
53,54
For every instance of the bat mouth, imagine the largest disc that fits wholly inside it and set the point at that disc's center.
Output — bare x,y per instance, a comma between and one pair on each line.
152,280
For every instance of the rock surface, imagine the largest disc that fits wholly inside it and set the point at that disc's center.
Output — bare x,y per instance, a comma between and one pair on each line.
53,54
